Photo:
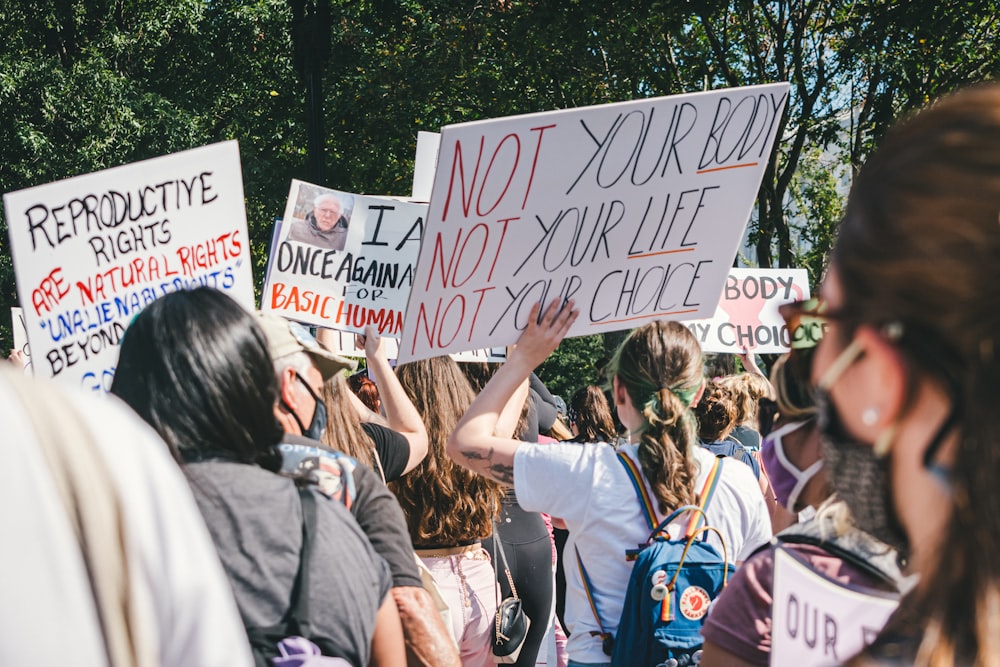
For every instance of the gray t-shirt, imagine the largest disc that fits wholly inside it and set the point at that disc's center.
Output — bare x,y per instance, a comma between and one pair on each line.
255,519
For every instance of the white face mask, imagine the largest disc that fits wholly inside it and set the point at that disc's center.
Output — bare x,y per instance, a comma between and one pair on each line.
787,481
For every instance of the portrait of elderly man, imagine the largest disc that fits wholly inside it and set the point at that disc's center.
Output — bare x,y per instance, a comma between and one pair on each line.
324,227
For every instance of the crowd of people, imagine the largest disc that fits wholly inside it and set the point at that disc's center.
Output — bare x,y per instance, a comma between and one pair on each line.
246,486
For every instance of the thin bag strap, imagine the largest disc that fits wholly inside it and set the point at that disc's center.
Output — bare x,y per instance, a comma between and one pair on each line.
89,496
299,606
503,556
589,590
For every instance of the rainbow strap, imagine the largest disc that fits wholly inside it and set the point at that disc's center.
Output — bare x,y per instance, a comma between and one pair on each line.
642,493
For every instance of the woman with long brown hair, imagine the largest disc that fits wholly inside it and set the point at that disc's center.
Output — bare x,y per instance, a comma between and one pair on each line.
449,510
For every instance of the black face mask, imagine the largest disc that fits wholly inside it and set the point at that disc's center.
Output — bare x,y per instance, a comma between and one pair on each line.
859,478
318,424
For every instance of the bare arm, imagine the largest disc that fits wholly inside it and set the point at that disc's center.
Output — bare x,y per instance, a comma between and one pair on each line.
750,364
511,413
399,410
474,443
428,643
388,649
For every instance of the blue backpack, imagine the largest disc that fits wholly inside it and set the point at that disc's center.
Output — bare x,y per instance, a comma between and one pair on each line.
672,585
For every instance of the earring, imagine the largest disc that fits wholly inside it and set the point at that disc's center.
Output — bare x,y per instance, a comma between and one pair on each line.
883,443
869,417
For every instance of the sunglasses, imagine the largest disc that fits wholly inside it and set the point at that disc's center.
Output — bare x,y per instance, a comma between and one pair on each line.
807,321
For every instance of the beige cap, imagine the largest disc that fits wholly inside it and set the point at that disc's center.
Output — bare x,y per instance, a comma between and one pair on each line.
285,337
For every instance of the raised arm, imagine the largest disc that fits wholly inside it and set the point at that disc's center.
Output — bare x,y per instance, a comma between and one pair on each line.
400,413
474,444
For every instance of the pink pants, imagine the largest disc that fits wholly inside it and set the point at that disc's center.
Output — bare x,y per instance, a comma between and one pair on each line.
468,586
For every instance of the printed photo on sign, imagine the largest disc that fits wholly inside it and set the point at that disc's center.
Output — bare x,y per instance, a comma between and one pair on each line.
633,210
365,281
747,316
321,218
91,251
817,622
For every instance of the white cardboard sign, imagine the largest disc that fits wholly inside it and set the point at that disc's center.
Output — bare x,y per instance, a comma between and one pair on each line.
91,251
634,210
345,345
818,622
355,275
747,314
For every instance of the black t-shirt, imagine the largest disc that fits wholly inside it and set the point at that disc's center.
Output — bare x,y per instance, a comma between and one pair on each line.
377,512
393,449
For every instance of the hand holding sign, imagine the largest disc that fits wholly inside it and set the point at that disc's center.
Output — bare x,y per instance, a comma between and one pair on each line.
543,333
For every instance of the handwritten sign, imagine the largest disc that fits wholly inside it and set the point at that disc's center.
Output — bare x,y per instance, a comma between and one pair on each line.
91,251
634,210
747,315
817,621
344,284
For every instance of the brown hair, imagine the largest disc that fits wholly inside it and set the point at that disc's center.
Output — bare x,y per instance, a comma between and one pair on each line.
920,245
478,374
716,412
365,390
592,415
444,504
747,389
792,387
660,366
343,429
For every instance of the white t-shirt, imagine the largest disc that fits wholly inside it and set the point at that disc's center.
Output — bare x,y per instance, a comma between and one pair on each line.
49,616
586,486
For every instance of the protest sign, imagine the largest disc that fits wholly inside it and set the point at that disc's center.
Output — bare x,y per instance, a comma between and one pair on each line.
633,210
91,251
423,165
747,315
344,344
818,621
357,273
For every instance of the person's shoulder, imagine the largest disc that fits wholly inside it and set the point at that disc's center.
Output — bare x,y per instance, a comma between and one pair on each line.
380,433
579,453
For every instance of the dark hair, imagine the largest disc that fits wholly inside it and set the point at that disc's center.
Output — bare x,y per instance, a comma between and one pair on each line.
716,412
591,415
660,367
920,246
195,366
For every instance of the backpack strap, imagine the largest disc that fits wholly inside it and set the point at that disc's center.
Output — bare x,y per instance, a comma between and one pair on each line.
300,591
607,639
639,484
705,497
295,622
856,547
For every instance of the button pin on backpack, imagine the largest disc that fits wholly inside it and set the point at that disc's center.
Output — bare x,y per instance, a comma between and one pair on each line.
659,589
